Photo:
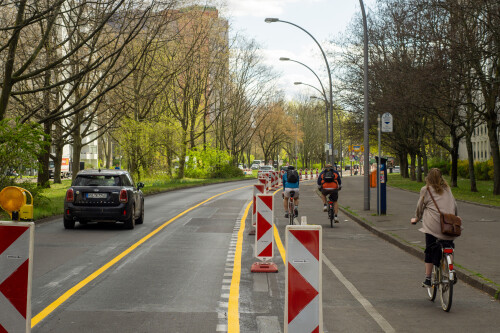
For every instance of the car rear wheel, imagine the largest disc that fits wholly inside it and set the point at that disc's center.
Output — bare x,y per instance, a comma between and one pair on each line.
69,223
140,219
130,222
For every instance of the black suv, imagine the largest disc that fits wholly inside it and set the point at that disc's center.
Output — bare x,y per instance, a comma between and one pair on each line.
104,196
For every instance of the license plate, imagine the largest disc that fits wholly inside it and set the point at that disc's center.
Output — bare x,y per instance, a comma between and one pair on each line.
96,195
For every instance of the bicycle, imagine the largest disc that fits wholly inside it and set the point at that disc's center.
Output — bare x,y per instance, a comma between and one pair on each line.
443,277
331,211
291,208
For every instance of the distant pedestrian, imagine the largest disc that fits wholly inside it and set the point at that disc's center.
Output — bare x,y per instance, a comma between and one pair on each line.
429,214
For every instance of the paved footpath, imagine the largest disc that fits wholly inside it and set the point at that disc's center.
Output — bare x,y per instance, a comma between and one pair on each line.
477,250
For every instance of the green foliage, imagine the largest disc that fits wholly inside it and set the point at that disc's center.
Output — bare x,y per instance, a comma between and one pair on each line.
482,170
20,145
226,171
205,163
463,168
443,165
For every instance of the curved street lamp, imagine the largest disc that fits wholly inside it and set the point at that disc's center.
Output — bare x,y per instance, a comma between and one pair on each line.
274,19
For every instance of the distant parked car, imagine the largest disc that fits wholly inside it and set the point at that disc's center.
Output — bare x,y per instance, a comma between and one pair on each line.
12,173
255,166
396,169
104,196
266,168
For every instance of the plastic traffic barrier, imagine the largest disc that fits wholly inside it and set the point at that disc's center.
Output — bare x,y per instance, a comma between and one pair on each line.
16,266
264,237
303,285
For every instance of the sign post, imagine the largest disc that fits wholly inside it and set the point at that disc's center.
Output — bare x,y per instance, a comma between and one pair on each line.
384,125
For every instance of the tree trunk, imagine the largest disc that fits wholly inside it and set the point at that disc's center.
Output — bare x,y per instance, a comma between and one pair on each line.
109,156
454,161
412,167
43,159
182,156
57,164
495,154
77,149
424,159
419,167
470,154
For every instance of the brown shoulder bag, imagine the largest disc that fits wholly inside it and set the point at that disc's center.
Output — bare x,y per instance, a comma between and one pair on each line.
451,225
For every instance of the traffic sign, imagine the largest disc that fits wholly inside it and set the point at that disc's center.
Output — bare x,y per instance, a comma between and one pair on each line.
387,123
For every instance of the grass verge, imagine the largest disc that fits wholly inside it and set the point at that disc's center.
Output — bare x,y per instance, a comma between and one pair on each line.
462,192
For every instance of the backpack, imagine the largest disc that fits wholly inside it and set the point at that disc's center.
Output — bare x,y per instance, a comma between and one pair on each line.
329,176
330,181
292,176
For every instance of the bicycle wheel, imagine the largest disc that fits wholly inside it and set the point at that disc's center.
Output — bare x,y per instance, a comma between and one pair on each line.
331,214
446,286
432,291
291,207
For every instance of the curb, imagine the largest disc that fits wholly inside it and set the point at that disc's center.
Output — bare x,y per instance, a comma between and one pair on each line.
462,275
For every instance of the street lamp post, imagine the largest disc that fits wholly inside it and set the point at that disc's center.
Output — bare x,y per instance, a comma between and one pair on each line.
366,138
272,20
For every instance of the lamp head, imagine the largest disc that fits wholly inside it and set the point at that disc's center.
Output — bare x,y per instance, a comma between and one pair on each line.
271,19
284,59
297,83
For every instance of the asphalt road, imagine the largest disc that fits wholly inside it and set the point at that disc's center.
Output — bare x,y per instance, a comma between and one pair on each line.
179,279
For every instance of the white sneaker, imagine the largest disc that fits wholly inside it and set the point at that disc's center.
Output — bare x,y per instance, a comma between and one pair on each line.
324,208
336,219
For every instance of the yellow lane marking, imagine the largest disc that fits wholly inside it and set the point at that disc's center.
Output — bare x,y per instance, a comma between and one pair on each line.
233,315
279,244
64,297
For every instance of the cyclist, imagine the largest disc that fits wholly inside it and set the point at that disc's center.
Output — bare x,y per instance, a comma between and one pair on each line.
329,183
431,223
291,183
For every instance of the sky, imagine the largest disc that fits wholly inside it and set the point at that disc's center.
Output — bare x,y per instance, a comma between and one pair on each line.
324,19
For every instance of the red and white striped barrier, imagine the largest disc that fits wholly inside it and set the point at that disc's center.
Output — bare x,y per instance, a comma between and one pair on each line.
303,285
264,182
307,174
264,246
300,174
257,189
16,266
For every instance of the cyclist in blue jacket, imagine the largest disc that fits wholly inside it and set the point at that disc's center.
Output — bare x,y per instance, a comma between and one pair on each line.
291,183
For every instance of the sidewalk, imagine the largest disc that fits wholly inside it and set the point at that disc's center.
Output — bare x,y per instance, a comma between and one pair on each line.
476,256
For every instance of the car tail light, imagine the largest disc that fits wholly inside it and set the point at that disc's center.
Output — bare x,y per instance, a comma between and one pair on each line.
123,196
70,196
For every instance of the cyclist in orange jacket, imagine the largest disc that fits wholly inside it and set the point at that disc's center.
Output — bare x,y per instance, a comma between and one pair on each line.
329,182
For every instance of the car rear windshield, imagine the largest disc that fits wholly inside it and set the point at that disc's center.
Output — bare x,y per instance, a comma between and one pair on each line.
97,180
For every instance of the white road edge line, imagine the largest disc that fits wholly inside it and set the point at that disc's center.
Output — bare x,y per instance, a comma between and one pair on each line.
384,324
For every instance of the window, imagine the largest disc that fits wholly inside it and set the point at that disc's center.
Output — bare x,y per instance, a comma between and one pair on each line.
97,180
